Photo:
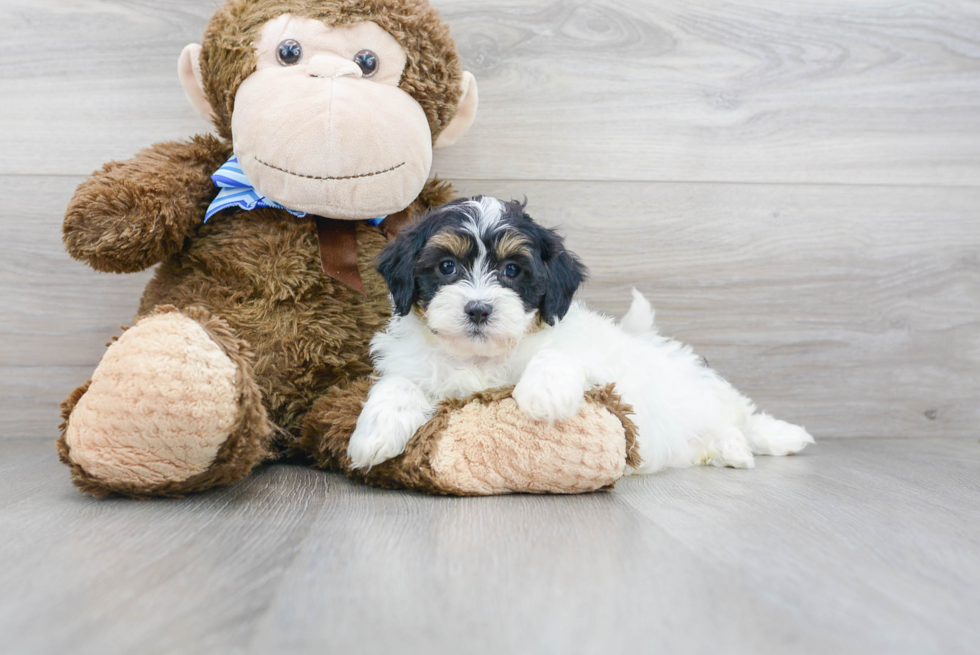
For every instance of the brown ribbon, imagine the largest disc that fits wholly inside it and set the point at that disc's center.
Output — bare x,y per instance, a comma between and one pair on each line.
394,224
338,246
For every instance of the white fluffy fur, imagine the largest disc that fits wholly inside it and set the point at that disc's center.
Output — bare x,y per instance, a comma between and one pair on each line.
445,316
686,414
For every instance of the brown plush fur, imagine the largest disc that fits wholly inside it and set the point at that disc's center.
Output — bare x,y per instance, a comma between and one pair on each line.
432,74
133,214
260,272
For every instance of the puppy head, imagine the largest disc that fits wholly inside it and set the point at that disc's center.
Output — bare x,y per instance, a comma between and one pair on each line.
480,274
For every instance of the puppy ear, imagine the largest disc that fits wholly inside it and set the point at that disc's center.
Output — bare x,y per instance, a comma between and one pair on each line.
565,274
396,263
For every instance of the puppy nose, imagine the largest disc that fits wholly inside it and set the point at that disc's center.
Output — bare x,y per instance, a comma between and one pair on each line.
332,66
478,312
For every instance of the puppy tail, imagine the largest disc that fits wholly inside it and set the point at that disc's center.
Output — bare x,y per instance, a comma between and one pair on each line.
639,318
770,436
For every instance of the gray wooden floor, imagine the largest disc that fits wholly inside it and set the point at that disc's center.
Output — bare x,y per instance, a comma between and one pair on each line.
856,546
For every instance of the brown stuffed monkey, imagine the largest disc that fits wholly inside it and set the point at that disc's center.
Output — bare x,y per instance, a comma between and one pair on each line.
251,339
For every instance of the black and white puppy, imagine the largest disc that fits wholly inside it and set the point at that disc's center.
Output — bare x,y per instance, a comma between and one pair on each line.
482,298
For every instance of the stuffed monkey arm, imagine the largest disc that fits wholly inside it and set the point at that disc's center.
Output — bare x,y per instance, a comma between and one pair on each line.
133,214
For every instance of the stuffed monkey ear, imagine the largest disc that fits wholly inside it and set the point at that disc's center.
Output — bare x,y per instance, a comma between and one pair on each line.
465,114
189,72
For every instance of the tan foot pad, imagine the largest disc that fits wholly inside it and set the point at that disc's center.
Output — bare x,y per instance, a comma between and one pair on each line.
160,404
494,449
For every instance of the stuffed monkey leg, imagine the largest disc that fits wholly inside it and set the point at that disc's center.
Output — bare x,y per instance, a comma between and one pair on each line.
484,445
171,409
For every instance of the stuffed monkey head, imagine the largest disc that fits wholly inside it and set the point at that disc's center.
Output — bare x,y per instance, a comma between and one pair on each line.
333,107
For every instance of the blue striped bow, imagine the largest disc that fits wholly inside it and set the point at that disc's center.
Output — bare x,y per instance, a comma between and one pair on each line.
237,191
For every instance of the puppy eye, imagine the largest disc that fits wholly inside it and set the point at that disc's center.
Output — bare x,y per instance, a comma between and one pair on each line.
368,61
447,268
512,270
289,52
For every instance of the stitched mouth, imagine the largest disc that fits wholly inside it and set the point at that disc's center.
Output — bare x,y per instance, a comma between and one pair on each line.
317,177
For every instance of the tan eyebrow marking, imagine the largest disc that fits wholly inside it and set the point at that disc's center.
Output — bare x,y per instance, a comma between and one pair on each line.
511,244
454,242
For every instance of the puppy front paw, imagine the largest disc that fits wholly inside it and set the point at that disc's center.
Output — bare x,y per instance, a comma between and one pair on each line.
395,409
370,446
550,398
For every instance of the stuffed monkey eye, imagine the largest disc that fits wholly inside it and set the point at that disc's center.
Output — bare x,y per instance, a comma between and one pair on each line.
447,268
289,52
368,62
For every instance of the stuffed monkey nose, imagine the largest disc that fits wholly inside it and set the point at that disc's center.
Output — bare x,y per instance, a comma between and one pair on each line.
331,66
